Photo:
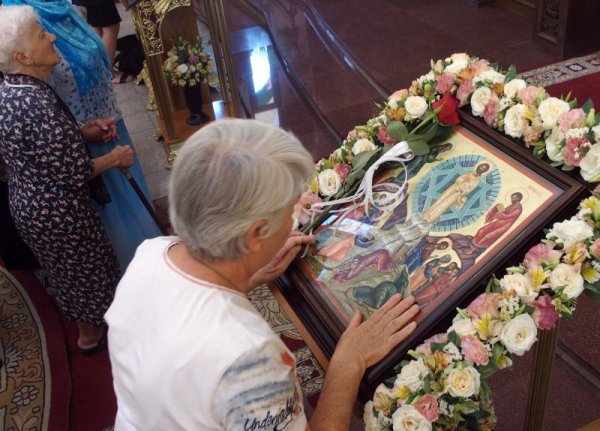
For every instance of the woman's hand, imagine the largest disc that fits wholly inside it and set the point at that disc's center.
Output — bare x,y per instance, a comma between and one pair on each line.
282,259
122,156
368,342
100,130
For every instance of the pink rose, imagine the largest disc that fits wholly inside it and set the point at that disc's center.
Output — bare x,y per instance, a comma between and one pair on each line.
342,169
544,315
575,149
595,247
542,254
491,109
428,407
485,304
474,350
444,83
573,119
425,348
464,91
302,207
384,138
528,95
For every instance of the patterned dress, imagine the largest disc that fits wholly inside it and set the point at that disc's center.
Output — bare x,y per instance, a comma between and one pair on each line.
49,199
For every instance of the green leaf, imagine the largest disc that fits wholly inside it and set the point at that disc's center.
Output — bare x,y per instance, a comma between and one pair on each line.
419,148
352,179
442,133
594,295
437,346
364,160
429,133
453,337
567,168
587,106
397,130
510,73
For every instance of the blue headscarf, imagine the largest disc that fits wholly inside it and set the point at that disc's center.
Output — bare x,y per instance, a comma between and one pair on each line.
78,44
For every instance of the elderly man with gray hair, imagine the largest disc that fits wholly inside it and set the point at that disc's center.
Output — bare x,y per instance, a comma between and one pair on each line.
188,350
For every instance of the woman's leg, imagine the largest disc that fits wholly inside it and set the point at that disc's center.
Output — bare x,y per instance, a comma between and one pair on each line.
109,38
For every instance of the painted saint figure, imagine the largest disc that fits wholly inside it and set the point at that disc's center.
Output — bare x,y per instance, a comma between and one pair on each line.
380,258
455,195
498,221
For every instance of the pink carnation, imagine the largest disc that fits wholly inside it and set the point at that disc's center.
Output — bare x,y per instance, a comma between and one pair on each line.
542,254
302,207
474,350
575,149
595,248
480,66
383,136
428,407
192,59
544,315
573,119
425,348
491,109
399,95
342,169
464,91
528,95
444,83
485,304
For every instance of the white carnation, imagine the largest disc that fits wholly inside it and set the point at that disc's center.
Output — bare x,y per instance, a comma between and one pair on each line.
570,232
479,99
430,76
462,326
458,63
519,334
521,285
515,120
415,106
550,109
182,69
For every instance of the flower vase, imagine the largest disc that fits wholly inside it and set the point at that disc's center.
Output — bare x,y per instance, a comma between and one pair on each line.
193,101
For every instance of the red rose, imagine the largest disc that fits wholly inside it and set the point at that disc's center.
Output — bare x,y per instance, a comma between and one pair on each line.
447,115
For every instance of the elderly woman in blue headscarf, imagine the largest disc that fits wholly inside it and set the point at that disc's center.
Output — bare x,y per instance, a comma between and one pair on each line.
83,80
48,173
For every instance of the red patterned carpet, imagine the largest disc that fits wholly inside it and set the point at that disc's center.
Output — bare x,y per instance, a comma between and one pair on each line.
35,385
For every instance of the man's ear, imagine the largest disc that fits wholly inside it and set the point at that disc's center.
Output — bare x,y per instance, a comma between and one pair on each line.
255,235
22,58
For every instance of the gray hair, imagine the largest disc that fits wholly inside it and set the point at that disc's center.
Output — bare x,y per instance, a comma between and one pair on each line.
15,24
229,175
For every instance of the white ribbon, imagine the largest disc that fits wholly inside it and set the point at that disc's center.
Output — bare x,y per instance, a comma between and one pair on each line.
367,191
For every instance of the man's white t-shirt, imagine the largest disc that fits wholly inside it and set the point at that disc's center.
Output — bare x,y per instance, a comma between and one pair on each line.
190,355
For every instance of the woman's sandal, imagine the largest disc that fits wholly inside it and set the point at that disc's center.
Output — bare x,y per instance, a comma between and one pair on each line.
123,78
99,347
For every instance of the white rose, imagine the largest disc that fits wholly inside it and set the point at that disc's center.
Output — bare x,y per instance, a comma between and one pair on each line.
462,326
412,375
553,148
479,99
182,69
363,145
550,109
408,418
570,232
463,383
490,76
515,121
511,88
590,164
567,277
519,334
596,130
521,285
329,182
415,106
